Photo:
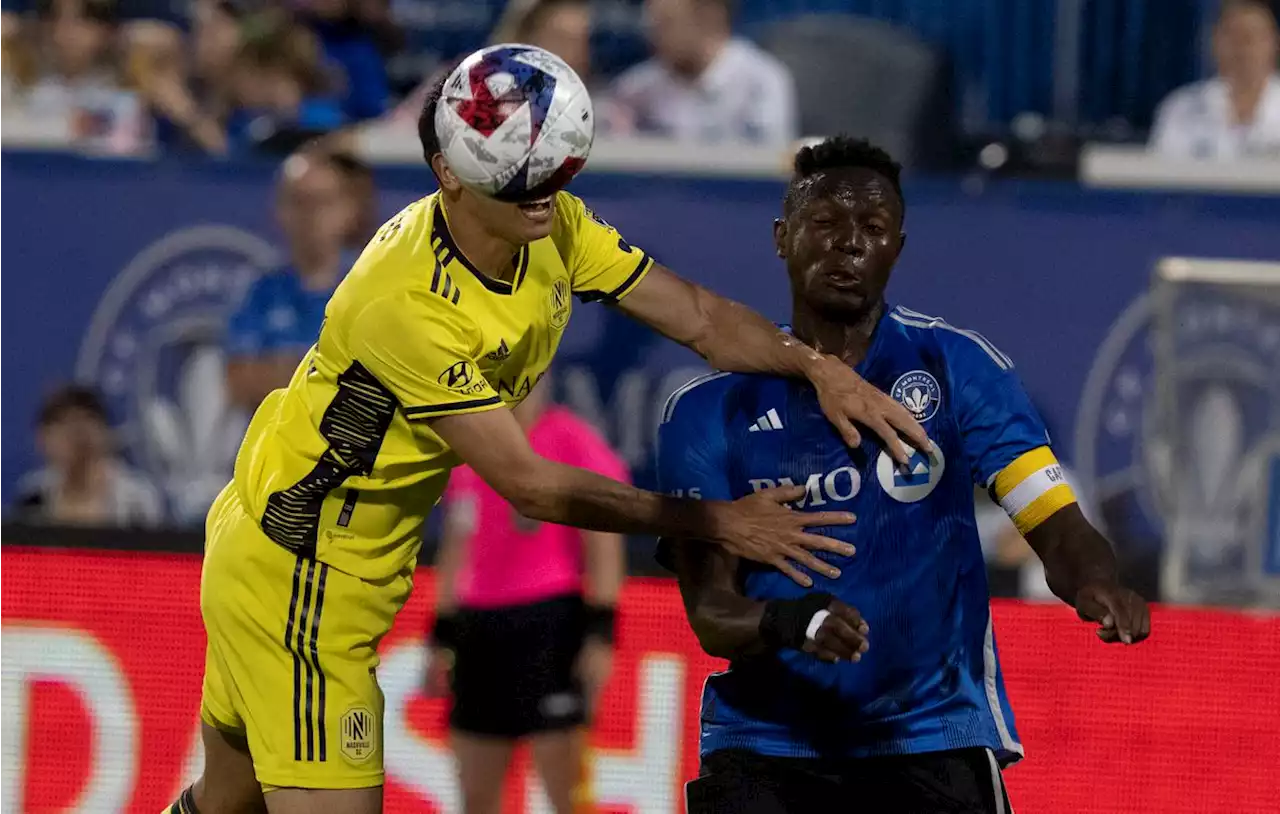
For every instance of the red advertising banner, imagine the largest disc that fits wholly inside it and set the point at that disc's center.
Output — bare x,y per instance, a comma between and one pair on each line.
102,658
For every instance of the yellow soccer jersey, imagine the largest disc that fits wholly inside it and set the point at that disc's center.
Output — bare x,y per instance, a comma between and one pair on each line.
342,464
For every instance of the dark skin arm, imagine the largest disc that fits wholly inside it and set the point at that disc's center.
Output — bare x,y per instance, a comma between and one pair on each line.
732,337
1081,570
727,623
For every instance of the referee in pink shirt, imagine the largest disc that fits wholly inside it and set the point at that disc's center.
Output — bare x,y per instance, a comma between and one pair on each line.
525,622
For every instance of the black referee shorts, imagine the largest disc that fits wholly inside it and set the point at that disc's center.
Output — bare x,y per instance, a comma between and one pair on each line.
513,675
961,781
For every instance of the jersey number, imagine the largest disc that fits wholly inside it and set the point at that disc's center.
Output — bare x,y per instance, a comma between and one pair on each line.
354,424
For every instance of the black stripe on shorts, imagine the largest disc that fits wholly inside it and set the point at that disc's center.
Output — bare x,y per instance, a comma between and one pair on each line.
302,641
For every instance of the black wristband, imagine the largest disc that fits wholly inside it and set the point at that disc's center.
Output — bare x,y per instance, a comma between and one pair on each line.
600,622
446,631
785,621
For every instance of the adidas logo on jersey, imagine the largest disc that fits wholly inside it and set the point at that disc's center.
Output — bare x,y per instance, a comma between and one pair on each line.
500,353
768,421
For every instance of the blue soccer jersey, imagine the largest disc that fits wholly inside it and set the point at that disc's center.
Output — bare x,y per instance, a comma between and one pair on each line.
931,680
278,314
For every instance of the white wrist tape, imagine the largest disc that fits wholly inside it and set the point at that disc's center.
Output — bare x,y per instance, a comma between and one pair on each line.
816,623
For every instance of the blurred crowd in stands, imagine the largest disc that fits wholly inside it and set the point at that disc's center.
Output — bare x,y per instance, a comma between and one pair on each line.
227,77
230,77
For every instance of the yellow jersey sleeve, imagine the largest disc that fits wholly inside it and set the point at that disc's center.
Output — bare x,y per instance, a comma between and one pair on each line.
603,267
1032,488
424,353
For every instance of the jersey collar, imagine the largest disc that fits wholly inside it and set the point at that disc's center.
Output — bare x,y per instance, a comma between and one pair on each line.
447,251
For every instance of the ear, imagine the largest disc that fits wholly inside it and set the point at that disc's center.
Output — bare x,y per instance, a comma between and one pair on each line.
448,181
780,237
902,241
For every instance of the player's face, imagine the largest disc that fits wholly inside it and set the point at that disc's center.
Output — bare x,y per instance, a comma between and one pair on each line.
840,241
517,224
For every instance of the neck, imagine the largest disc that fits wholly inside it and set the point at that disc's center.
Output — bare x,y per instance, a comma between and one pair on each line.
84,478
486,251
1245,95
848,338
698,64
319,270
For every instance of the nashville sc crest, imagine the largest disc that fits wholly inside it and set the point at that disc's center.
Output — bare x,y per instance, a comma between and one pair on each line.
154,350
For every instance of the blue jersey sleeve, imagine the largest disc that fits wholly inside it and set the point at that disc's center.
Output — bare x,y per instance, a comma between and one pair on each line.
247,328
692,450
998,423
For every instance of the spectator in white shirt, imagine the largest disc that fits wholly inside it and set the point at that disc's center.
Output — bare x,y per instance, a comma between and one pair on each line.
83,481
702,84
1236,114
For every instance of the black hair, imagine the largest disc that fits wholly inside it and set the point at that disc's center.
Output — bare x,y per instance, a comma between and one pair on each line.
68,398
842,152
427,135
1266,6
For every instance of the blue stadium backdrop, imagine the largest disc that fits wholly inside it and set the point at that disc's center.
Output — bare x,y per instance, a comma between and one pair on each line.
121,273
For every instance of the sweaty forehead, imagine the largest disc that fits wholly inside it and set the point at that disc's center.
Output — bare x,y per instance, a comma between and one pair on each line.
849,186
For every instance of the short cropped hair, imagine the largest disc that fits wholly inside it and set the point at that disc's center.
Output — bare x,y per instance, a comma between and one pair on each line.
842,152
427,135
70,398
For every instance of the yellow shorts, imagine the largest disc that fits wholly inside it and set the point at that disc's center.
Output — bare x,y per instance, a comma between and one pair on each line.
292,656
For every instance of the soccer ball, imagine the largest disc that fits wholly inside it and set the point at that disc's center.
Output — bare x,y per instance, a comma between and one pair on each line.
515,122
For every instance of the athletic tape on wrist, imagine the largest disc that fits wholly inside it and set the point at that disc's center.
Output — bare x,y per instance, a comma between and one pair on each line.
815,624
785,622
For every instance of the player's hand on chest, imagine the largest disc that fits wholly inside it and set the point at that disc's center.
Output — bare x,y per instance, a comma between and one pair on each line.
793,444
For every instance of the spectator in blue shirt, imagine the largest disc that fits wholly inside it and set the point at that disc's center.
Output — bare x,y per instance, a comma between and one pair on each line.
354,36
283,93
324,207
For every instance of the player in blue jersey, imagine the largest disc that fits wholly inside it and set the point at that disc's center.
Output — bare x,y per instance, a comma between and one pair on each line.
879,690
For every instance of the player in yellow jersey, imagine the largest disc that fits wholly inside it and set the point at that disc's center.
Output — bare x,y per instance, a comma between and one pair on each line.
450,316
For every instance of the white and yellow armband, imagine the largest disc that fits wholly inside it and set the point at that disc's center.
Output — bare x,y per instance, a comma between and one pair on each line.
1032,488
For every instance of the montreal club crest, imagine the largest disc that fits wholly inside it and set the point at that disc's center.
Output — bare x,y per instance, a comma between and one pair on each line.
1182,458
154,350
919,392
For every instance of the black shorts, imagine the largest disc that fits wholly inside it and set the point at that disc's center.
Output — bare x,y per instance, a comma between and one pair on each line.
514,670
963,781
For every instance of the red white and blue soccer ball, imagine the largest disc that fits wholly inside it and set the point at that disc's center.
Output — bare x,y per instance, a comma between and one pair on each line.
515,122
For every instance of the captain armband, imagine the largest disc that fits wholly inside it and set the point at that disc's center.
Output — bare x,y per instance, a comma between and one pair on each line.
1032,488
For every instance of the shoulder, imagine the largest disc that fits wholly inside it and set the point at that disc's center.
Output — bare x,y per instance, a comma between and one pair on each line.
748,57
702,400
135,485
1186,99
640,77
270,285
955,344
404,235
570,210
571,215
33,485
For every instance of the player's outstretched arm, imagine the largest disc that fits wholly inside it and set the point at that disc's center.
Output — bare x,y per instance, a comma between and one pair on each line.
758,527
731,626
732,337
1081,570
